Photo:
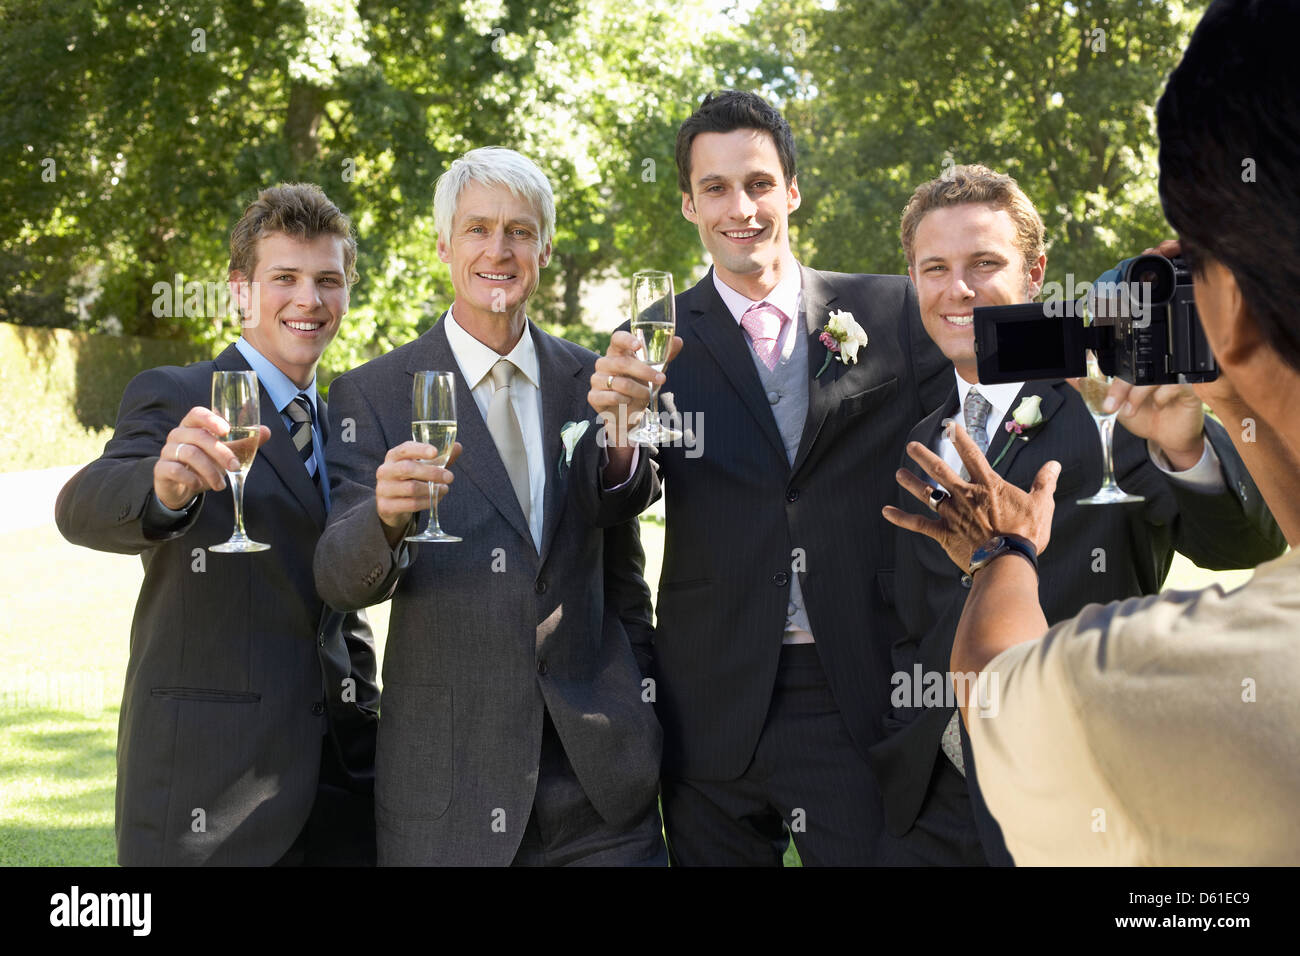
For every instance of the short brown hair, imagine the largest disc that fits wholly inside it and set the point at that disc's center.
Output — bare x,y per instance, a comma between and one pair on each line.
975,184
300,210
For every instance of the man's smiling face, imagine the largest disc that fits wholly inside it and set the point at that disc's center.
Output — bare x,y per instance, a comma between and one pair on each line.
495,252
740,201
964,256
296,299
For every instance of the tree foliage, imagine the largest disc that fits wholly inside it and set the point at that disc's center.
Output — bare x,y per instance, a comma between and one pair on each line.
885,94
134,133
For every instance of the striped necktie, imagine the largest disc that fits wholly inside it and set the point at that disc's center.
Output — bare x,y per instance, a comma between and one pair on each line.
299,412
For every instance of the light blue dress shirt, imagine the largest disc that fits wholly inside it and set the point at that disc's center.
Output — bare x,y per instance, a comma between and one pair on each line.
282,391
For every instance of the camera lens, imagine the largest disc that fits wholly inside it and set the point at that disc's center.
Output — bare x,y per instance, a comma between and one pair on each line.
1156,274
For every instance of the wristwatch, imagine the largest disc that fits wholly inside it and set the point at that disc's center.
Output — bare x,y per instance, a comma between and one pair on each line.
1002,544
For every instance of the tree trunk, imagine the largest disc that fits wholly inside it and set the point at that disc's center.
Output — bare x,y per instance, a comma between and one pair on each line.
572,288
302,123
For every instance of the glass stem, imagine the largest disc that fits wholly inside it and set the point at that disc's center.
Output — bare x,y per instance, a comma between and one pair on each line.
434,527
237,489
654,410
1106,426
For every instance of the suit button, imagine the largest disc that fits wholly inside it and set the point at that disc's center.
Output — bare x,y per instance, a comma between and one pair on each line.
780,579
540,587
792,495
318,708
541,667
126,510
965,581
773,397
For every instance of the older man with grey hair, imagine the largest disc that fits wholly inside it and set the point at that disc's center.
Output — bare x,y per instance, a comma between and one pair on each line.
514,724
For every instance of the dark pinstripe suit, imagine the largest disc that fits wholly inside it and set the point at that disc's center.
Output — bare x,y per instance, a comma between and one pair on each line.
741,519
1097,554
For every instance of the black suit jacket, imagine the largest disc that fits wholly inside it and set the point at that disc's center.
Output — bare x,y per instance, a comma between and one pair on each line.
1097,553
741,519
236,666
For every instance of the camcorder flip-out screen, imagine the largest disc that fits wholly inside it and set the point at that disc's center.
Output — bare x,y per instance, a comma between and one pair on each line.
1035,340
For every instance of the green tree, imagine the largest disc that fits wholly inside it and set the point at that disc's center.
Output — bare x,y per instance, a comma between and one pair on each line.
885,93
160,121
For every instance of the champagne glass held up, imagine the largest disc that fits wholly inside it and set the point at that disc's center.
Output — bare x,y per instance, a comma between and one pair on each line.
235,397
654,320
433,422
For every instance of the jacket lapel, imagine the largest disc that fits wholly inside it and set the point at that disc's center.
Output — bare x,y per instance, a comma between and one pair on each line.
717,329
279,452
479,460
823,390
1052,400
564,395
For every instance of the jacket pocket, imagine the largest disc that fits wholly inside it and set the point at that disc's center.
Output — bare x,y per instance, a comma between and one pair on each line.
211,695
413,755
868,399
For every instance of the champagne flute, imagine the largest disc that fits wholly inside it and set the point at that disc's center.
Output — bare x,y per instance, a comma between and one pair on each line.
654,320
1093,388
433,422
236,398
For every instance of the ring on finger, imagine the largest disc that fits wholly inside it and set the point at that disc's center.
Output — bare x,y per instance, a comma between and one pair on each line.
937,497
176,455
609,381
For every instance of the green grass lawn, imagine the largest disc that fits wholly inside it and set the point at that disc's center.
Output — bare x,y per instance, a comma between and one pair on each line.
63,646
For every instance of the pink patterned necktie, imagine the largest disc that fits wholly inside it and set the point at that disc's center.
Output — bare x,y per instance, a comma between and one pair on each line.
763,323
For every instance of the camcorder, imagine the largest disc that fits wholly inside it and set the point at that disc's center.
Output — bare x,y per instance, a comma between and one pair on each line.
1144,329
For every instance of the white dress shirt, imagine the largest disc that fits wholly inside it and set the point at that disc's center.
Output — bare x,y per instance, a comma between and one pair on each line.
476,360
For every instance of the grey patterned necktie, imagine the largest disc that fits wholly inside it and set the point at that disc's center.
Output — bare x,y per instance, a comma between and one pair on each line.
299,412
976,410
503,425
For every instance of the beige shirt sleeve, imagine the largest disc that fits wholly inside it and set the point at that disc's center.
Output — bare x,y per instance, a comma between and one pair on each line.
1158,730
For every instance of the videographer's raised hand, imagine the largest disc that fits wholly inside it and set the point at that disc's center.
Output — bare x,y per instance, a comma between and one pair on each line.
971,512
193,459
402,484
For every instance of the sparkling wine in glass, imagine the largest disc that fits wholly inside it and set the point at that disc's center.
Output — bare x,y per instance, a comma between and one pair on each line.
235,397
654,321
1093,388
433,422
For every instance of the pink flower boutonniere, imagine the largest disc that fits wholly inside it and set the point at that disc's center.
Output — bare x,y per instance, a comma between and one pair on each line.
1024,421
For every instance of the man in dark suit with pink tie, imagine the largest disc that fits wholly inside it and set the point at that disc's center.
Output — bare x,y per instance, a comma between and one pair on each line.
771,648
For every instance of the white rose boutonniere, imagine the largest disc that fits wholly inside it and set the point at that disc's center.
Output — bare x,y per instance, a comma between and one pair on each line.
1026,417
842,336
570,434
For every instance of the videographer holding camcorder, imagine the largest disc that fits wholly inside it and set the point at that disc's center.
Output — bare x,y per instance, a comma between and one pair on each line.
974,244
1157,731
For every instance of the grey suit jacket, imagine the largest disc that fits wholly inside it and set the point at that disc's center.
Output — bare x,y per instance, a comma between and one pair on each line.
236,666
486,633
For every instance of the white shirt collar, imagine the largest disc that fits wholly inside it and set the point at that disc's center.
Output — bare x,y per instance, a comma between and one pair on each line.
999,396
476,359
785,296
